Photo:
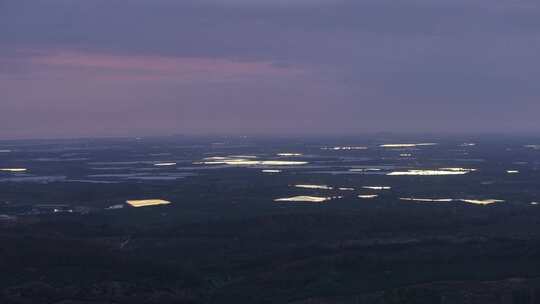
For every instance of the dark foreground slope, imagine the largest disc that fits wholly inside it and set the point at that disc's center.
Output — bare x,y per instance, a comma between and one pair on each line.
315,255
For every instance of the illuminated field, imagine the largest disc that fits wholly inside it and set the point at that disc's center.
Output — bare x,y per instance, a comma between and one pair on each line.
304,198
368,196
406,145
377,187
447,200
164,164
365,169
442,171
482,202
432,200
243,161
13,169
337,148
322,187
146,203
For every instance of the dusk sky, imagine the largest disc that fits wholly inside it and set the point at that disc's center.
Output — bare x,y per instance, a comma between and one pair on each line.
157,67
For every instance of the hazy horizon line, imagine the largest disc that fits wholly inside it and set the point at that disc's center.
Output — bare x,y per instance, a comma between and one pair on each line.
281,135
